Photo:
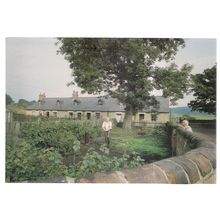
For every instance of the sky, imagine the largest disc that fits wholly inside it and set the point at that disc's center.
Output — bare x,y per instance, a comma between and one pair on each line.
33,66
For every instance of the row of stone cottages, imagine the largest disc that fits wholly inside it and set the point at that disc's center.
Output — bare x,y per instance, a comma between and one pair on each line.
88,108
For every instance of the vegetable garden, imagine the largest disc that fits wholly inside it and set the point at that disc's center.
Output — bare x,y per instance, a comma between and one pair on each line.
50,149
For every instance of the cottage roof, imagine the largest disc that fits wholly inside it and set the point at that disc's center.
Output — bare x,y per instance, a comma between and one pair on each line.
91,104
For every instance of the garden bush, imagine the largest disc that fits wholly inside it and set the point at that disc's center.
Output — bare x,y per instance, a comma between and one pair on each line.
25,162
65,136
95,162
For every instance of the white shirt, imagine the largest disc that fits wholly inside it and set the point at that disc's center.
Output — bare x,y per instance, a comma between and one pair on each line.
188,128
107,125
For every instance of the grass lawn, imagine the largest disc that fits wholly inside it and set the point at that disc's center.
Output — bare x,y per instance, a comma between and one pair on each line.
149,146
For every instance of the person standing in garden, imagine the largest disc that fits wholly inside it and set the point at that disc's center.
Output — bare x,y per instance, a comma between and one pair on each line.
107,127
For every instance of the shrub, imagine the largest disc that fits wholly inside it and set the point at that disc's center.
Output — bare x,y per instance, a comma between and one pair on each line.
83,130
95,162
26,162
65,136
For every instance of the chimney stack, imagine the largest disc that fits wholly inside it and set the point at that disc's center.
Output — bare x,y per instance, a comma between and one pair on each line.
41,97
75,95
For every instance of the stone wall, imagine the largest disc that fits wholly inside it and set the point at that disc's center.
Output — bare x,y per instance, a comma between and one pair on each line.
182,141
195,163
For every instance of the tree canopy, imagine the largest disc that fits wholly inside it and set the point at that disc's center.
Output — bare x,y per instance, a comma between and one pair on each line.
126,68
204,89
9,100
25,103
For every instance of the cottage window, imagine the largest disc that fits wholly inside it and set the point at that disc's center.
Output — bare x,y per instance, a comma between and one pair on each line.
97,115
54,114
59,102
71,114
153,116
75,102
100,102
155,104
79,115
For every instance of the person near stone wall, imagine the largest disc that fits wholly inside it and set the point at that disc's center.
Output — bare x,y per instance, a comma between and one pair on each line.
180,122
107,127
185,125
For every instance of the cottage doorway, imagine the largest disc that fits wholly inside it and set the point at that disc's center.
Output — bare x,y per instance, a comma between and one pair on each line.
141,117
118,117
88,115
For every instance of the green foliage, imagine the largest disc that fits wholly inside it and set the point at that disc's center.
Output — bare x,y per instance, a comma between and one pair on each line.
9,99
26,162
166,79
171,124
188,117
13,107
50,163
19,107
95,162
64,136
43,144
24,103
204,89
41,148
83,130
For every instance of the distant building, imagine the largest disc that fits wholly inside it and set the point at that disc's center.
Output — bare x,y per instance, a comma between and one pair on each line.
88,108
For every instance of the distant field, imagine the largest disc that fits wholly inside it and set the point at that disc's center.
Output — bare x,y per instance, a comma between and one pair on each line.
197,116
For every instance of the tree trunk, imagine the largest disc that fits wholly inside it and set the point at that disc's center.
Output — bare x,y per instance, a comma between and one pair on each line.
127,120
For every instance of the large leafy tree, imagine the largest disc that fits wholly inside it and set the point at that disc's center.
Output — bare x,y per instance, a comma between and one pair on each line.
9,99
204,90
126,68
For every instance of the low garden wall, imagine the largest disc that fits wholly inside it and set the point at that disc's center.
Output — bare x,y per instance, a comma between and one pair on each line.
193,161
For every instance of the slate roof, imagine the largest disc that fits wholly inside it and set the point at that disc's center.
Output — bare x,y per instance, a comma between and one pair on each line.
91,104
